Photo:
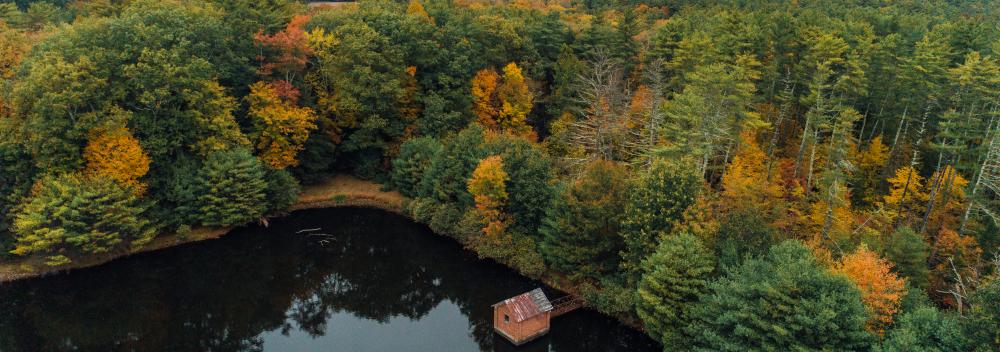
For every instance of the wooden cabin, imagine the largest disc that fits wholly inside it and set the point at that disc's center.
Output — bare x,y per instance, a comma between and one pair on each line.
524,317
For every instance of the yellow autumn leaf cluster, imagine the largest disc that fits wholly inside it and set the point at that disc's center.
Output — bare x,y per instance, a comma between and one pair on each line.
281,128
116,154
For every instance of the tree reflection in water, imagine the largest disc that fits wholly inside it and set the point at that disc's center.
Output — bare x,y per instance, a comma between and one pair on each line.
228,294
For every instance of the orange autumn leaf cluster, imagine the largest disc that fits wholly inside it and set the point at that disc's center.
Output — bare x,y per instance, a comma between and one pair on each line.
280,128
291,49
116,154
881,289
503,103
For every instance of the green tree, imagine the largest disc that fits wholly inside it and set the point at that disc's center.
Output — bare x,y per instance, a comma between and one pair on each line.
925,329
72,215
676,277
580,231
783,301
445,180
982,323
909,251
409,166
282,189
230,189
655,202
743,234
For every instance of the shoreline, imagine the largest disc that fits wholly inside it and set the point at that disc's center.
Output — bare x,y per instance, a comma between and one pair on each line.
337,192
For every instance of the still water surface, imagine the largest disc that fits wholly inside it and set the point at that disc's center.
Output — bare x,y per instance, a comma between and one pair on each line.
378,282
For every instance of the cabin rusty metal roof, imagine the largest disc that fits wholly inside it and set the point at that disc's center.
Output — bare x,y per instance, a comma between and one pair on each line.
527,305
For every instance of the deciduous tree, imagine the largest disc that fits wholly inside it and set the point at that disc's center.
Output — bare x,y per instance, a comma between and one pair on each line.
280,129
881,289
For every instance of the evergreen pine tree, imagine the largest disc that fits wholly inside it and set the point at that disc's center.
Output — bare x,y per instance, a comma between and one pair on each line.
231,188
676,277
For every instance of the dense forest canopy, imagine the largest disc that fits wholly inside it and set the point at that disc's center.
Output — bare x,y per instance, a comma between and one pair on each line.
734,175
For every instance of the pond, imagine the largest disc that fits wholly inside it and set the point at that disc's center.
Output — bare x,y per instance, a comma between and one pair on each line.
365,280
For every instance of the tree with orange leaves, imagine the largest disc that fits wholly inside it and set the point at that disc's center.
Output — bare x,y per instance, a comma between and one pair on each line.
280,128
289,50
114,153
488,187
503,103
881,289
484,98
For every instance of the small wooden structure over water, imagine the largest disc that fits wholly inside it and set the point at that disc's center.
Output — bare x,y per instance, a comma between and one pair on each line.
527,316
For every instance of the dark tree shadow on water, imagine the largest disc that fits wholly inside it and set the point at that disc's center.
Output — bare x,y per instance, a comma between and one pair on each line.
223,295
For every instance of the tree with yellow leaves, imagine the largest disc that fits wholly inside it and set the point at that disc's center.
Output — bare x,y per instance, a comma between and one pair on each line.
906,194
516,101
114,153
867,178
503,103
488,187
945,200
415,8
745,183
881,289
280,128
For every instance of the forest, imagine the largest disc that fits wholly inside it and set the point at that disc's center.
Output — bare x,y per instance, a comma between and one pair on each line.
729,175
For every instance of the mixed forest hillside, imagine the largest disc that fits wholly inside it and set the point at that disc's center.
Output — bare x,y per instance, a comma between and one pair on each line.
732,175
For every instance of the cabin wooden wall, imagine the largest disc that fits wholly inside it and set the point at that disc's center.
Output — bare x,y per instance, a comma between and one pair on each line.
527,329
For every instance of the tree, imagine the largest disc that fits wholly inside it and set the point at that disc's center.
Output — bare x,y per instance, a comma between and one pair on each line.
280,129
484,97
408,168
287,52
580,231
230,189
705,120
745,183
415,8
908,251
742,234
982,324
782,301
73,215
925,329
157,59
867,178
503,103
906,193
358,80
881,289
489,190
516,101
655,203
114,153
676,277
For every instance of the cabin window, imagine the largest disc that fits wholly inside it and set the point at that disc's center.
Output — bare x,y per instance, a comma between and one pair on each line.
506,319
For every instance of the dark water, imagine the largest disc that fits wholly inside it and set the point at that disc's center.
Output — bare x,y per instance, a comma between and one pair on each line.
378,283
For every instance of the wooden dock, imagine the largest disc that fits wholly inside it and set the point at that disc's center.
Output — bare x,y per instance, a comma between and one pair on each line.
566,304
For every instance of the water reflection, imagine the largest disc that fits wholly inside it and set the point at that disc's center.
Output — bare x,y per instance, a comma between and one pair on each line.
378,282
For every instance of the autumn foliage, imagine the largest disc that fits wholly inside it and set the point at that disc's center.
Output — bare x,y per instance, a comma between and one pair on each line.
488,187
881,289
116,154
503,103
280,128
289,49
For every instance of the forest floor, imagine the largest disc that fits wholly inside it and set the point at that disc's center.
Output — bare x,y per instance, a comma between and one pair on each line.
339,191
